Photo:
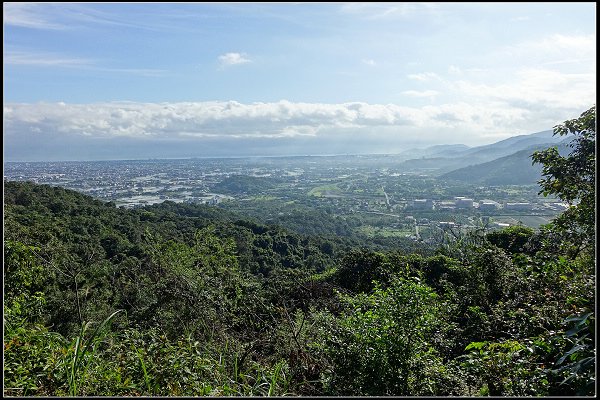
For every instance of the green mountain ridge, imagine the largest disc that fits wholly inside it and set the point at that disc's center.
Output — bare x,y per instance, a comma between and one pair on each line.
448,159
514,169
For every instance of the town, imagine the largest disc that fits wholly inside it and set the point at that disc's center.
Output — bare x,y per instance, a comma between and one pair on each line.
370,196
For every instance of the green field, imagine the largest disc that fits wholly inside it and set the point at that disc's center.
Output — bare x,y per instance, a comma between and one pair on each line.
372,232
533,221
326,190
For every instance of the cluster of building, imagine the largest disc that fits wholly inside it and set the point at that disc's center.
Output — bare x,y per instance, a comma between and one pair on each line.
465,203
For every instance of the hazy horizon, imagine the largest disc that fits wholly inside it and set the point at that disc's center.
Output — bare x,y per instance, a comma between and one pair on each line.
120,81
161,154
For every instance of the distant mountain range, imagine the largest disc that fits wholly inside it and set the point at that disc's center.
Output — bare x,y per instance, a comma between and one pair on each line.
436,150
505,162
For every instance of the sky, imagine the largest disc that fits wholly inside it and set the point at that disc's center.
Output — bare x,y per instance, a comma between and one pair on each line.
93,81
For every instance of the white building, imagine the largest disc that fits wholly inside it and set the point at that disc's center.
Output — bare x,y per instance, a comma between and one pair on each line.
463,202
518,206
488,205
423,204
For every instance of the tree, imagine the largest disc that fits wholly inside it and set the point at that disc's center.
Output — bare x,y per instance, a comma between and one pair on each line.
383,344
359,268
512,239
572,178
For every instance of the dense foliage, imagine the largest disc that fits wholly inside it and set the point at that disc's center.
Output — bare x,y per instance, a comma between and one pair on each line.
179,299
573,178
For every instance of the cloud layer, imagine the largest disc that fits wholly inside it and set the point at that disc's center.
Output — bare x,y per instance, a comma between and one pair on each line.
71,131
201,119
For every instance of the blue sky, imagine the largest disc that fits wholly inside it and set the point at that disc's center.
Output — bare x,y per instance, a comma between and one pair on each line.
139,80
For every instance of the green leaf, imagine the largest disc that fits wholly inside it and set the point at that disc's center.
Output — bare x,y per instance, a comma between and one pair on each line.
568,353
476,345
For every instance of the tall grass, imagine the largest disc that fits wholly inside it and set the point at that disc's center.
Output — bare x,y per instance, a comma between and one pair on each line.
144,369
275,378
83,346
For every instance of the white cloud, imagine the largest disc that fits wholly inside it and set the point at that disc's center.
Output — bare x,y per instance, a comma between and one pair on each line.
553,49
369,62
43,59
376,11
535,88
424,93
28,15
424,76
39,59
556,81
228,59
453,69
579,44
68,16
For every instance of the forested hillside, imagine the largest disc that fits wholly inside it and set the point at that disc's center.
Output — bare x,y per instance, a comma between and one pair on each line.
176,299
467,161
515,169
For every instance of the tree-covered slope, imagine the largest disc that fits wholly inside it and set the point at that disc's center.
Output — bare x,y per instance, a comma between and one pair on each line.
451,159
514,169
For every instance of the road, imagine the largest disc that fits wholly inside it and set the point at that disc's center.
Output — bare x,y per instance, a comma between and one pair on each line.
387,199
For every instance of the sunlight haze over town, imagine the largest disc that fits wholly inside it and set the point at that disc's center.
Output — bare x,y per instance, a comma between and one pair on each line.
94,81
